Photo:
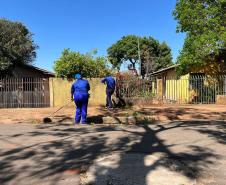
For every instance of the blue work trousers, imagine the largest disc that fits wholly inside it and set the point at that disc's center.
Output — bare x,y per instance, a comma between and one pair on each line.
81,102
109,93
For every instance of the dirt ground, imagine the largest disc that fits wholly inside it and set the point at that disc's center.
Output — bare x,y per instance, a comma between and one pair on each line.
159,113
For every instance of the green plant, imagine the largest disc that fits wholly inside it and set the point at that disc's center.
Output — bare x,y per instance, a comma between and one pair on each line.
89,66
16,45
153,54
204,24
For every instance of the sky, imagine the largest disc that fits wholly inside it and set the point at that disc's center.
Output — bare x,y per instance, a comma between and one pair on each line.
84,25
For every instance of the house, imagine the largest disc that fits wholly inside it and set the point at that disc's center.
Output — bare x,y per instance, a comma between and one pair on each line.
189,88
27,86
30,71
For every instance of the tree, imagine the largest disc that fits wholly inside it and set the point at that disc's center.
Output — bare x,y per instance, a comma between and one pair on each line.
165,56
204,23
16,45
71,63
125,49
153,55
149,51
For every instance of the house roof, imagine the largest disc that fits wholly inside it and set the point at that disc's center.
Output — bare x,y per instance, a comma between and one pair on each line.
164,70
39,69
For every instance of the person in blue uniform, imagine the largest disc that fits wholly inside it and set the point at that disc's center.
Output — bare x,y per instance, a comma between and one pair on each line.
110,88
80,95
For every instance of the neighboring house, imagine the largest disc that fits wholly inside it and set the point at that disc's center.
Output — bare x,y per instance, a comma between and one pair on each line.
30,71
189,88
27,86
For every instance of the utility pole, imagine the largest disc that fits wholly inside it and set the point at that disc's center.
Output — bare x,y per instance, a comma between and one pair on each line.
138,44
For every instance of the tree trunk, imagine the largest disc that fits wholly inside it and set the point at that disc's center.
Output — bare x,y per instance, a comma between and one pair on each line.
133,63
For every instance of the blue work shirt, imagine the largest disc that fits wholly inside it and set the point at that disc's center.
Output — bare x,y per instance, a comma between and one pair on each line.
110,81
80,86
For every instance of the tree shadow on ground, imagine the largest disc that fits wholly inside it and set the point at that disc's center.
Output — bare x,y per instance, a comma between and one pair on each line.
181,113
164,113
189,164
72,149
158,113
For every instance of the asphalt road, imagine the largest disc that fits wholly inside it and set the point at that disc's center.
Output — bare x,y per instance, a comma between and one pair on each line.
183,152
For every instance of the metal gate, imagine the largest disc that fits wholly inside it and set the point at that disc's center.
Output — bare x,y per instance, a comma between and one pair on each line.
24,92
190,89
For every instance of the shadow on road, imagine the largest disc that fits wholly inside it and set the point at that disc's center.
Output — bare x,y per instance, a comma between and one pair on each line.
73,149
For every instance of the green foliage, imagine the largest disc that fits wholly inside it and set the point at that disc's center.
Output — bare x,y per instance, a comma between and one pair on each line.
165,57
16,45
146,94
71,63
125,49
154,55
203,22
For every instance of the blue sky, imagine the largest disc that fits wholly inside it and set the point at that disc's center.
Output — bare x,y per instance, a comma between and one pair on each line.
83,25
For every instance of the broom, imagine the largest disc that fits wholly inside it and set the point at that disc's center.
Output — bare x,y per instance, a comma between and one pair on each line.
48,119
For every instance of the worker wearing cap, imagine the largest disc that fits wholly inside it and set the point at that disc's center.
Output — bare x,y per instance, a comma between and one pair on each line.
80,95
110,82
